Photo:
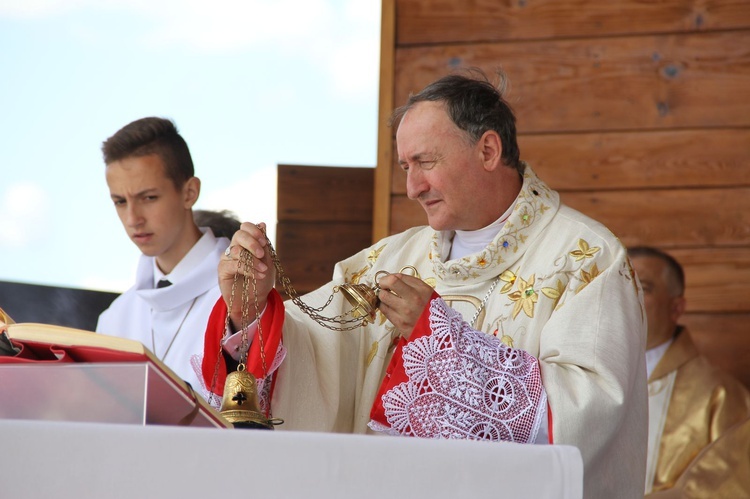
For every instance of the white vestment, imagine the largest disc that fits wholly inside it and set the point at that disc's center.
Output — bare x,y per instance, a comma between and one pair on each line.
170,321
553,283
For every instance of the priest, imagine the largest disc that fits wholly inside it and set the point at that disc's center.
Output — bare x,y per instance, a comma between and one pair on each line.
523,321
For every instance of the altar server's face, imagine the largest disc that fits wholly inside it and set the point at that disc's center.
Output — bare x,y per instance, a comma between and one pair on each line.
155,213
445,172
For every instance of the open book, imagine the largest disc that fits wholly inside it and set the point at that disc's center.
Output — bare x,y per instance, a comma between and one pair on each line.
117,371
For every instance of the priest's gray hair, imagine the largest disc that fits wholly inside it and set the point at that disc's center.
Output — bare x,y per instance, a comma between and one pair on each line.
475,105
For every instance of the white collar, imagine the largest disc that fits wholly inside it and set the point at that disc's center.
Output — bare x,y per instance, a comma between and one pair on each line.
200,251
467,242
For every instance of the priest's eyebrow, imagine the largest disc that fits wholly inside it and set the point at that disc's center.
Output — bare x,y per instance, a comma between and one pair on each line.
420,157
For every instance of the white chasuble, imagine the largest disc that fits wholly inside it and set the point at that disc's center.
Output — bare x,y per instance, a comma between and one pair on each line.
553,283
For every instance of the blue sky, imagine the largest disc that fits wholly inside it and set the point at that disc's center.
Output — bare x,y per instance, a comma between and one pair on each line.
250,84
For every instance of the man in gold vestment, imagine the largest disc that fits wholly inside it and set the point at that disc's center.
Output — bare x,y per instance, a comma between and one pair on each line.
691,402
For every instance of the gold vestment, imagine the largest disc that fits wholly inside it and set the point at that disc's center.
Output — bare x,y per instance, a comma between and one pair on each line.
704,404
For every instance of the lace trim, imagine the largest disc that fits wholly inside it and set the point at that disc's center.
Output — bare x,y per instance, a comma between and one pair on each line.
463,383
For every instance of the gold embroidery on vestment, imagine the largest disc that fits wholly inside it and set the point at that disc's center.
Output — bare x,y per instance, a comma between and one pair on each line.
584,251
587,277
525,297
373,352
554,293
374,254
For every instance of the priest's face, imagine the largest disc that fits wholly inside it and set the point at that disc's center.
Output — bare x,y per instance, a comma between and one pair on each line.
661,297
445,172
155,213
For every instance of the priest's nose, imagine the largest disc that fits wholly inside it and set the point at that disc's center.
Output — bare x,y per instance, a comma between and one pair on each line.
416,183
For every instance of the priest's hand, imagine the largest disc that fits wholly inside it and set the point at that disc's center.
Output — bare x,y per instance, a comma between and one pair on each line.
252,238
402,300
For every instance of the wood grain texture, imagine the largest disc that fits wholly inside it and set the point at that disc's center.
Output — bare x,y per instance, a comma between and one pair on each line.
318,193
724,339
324,216
381,194
716,279
308,251
624,83
670,218
455,21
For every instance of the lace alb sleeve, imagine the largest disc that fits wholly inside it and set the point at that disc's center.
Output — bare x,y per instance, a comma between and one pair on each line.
456,382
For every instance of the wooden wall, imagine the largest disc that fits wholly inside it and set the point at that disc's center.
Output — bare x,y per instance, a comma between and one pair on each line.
324,215
637,112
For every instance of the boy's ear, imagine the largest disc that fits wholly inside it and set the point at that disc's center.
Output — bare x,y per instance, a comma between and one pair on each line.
190,191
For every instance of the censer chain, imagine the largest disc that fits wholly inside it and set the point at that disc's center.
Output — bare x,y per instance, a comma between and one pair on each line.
344,323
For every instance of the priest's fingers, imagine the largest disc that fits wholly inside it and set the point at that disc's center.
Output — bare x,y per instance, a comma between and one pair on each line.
402,299
233,279
252,238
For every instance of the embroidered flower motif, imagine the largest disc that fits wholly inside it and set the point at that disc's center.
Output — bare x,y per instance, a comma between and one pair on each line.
525,297
554,293
587,277
372,257
355,277
525,216
509,278
584,251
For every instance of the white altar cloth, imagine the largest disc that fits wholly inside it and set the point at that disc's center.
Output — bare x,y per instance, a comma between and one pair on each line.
42,459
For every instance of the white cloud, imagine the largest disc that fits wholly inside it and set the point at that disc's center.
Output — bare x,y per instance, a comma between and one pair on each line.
252,199
237,24
24,207
343,40
354,68
212,26
30,9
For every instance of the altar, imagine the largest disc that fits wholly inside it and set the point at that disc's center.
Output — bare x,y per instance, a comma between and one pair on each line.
42,459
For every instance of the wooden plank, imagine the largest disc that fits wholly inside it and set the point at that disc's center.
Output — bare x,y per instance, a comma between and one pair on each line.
382,189
671,218
716,279
632,160
446,21
308,251
664,218
317,193
624,83
636,160
724,339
